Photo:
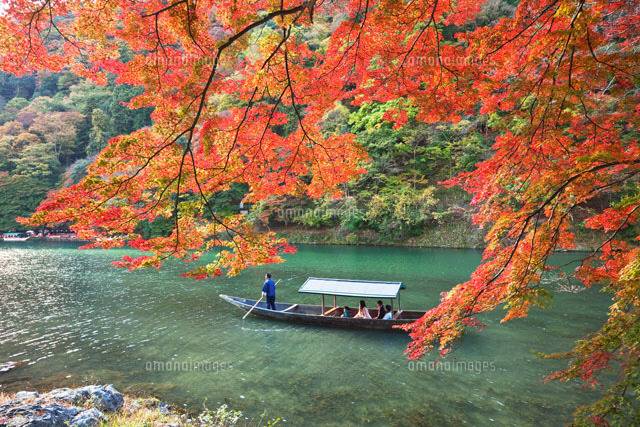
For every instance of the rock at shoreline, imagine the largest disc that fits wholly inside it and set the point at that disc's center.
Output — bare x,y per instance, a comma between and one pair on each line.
91,406
30,415
27,395
105,398
69,395
89,418
57,408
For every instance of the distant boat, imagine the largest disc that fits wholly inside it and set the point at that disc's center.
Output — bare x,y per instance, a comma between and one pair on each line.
332,315
15,237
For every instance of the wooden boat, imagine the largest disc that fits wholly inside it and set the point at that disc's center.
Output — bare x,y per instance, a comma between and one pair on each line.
332,315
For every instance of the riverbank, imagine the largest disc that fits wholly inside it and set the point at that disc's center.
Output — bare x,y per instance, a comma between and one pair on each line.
103,405
453,235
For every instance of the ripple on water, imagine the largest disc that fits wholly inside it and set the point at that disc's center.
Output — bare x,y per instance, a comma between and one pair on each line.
72,318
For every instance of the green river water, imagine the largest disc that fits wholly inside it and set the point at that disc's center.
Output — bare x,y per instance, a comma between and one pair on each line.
71,318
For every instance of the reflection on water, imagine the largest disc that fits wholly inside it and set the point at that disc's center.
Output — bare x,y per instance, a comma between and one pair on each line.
68,317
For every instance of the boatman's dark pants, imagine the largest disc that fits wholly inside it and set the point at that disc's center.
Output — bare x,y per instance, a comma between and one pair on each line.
271,303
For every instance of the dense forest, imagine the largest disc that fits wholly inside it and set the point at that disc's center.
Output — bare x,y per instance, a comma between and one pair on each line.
400,196
52,125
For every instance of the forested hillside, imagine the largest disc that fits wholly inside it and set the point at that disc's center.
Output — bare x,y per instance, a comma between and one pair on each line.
51,125
400,196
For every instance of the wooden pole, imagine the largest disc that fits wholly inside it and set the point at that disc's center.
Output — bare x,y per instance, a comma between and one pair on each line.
334,301
254,306
323,304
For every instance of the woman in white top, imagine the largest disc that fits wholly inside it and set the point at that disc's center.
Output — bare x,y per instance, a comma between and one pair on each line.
363,311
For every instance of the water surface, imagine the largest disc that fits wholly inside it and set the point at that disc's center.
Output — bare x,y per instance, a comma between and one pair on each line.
71,318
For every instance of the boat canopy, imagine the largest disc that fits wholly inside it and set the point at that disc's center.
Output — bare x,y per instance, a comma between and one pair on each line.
351,288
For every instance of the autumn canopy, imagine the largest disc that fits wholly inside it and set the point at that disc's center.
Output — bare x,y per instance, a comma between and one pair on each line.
240,89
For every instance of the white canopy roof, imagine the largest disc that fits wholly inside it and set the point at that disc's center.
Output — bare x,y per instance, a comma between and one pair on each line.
351,288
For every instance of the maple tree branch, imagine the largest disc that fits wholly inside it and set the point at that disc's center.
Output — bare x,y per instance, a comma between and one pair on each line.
533,214
202,100
210,209
525,28
164,9
420,33
594,56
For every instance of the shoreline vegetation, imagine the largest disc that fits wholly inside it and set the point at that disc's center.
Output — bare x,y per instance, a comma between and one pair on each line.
454,235
103,405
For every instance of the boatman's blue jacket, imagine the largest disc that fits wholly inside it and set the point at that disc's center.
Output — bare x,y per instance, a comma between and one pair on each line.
269,288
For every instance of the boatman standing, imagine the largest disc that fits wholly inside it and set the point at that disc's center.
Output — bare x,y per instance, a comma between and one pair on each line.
269,291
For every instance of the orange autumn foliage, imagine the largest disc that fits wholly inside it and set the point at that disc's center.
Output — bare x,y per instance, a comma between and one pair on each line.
559,79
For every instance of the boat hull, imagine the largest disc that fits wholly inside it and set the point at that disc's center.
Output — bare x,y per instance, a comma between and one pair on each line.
15,239
312,315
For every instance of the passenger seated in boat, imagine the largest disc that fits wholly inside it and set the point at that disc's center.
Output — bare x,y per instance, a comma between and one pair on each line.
381,310
345,311
363,311
389,314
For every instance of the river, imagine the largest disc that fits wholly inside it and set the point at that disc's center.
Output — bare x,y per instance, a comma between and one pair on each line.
71,318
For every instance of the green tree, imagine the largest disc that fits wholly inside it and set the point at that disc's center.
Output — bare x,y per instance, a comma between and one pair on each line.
12,86
336,121
11,109
66,80
38,161
123,119
45,104
60,130
85,96
100,132
19,196
6,154
399,210
46,84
